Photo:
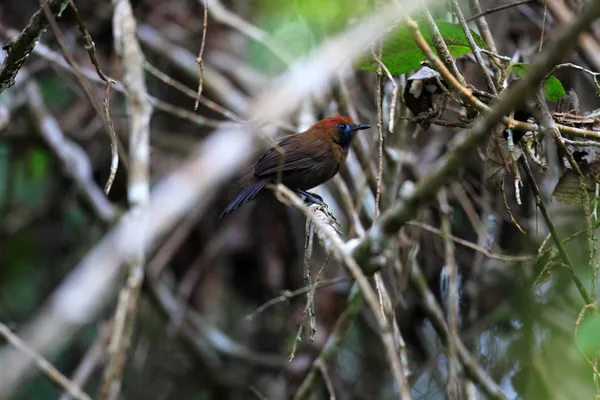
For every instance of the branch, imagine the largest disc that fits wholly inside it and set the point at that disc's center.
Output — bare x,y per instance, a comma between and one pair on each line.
20,47
43,364
138,192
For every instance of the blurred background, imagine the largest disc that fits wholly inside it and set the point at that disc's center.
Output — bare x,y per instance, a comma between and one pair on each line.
206,327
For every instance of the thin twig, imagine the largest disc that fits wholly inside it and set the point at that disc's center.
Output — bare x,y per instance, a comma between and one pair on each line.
470,245
440,45
100,110
199,60
323,369
488,38
114,146
43,364
90,46
138,193
287,295
92,359
190,93
500,8
378,101
474,46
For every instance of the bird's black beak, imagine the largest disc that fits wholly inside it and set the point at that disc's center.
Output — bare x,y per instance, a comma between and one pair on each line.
359,127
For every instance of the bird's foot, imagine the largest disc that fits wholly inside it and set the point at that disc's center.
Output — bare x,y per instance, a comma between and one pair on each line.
311,198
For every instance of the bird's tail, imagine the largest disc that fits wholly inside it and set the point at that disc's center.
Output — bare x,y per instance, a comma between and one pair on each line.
244,196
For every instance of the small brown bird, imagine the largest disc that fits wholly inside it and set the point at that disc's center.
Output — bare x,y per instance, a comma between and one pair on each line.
301,161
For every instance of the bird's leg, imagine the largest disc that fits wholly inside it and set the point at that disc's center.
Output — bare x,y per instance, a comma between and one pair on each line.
310,198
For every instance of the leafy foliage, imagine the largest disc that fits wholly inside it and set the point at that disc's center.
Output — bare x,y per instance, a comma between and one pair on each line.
401,54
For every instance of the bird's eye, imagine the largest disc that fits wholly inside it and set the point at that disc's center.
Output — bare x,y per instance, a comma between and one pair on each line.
342,127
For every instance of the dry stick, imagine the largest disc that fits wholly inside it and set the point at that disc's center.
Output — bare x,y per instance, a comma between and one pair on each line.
43,364
138,192
543,27
190,93
308,309
287,295
199,60
471,245
93,357
339,251
114,147
474,47
486,34
90,46
214,81
323,369
184,114
20,47
495,9
440,45
378,101
587,71
452,387
84,83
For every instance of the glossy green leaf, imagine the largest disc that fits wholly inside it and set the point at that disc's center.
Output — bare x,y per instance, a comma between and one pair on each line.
553,89
401,54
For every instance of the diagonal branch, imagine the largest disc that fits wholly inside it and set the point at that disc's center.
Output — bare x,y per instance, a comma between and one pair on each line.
20,47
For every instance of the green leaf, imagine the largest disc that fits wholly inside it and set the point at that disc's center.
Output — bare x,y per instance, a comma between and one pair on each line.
553,89
588,338
401,54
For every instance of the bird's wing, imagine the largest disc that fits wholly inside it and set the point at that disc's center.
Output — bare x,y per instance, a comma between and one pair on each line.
293,153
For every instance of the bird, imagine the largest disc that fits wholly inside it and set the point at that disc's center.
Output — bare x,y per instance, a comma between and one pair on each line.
301,161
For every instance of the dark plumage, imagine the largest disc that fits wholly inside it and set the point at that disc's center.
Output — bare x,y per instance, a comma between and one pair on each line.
302,161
